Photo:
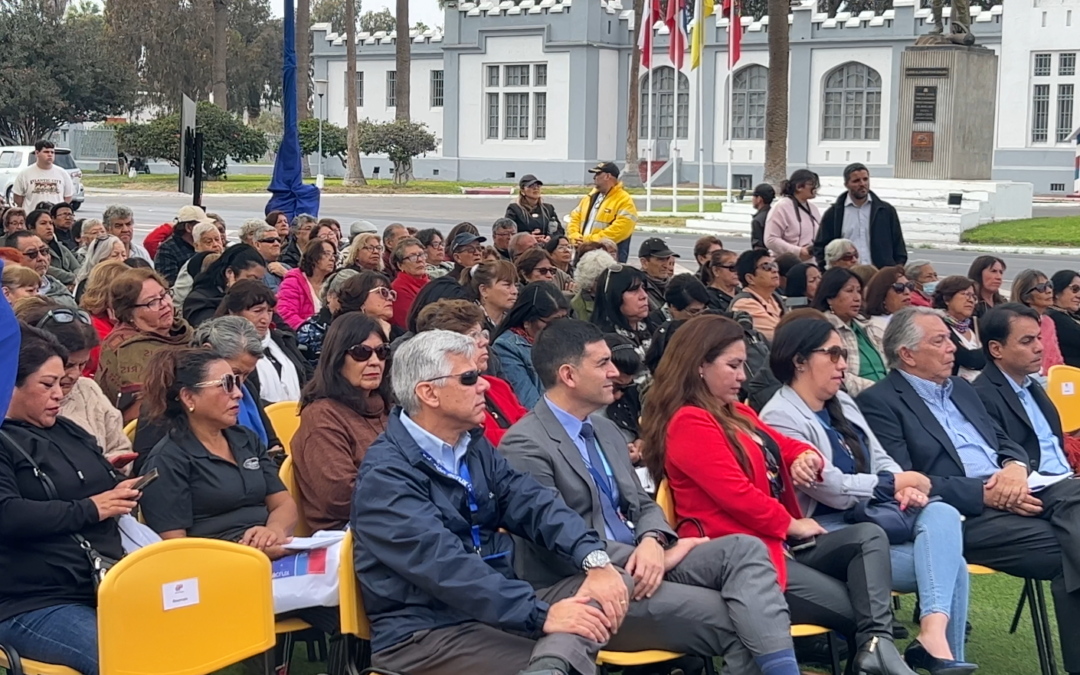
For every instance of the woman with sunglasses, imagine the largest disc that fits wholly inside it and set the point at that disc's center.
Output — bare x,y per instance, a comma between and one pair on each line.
342,411
83,402
809,358
730,473
956,295
721,279
299,296
146,323
841,253
536,264
1032,288
622,306
538,304
840,297
411,261
888,292
106,248
283,370
1065,314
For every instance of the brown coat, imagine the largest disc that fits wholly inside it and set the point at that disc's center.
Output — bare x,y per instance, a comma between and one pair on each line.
124,355
327,449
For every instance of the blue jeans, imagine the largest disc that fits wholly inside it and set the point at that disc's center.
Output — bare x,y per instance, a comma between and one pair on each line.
933,566
624,249
64,635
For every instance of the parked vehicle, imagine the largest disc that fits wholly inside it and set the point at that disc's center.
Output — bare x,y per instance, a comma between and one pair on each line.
15,158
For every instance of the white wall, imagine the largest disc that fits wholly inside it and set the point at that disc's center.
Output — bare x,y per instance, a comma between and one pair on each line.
608,96
472,116
841,153
687,146
745,151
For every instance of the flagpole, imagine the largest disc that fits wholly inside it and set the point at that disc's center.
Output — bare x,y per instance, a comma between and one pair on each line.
734,15
700,26
651,150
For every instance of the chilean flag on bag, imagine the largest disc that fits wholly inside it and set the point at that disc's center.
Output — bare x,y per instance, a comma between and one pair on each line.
677,21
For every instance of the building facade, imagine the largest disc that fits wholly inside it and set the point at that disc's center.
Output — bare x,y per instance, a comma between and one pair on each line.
540,86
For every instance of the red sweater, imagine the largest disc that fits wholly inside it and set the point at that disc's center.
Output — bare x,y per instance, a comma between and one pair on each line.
103,325
157,238
507,402
710,487
407,286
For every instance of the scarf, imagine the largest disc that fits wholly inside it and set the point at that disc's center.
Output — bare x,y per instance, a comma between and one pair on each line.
521,332
961,327
278,379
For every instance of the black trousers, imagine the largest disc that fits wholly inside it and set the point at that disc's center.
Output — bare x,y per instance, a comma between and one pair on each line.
1045,547
844,582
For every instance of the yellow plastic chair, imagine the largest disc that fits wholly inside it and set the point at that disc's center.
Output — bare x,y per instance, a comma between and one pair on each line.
129,429
644,658
354,620
285,418
287,474
1063,387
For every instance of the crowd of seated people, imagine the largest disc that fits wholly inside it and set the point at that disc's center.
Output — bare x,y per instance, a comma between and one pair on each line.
495,425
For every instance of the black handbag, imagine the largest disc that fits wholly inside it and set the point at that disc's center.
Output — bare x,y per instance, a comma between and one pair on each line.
99,564
883,510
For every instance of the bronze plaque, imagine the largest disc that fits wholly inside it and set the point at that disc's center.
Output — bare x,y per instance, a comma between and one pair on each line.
922,146
925,105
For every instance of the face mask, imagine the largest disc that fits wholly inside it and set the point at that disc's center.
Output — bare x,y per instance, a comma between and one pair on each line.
929,287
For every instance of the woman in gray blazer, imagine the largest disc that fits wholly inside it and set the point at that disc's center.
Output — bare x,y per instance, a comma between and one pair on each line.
809,358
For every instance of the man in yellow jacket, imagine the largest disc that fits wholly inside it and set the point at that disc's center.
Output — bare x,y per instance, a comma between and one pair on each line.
607,211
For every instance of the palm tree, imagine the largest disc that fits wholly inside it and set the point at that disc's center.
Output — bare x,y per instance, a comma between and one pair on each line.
776,103
354,173
221,53
404,61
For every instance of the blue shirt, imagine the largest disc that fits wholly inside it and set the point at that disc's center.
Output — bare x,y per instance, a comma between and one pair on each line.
449,457
572,425
1051,457
979,458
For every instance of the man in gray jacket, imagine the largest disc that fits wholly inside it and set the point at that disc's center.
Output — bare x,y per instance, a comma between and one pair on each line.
696,596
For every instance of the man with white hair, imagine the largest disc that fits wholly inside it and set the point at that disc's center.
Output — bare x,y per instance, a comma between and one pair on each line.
265,239
207,238
937,425
432,510
119,221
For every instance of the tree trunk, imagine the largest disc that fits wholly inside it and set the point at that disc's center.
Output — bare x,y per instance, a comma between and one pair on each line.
221,53
404,62
354,173
776,104
631,176
303,70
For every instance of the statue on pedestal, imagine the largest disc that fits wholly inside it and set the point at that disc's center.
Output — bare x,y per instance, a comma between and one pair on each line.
959,26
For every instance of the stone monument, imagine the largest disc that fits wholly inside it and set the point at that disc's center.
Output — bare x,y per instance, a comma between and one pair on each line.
947,102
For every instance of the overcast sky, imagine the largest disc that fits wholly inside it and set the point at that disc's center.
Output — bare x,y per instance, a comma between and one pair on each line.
419,10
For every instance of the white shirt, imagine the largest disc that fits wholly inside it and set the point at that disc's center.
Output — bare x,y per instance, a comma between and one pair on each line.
856,226
272,386
43,185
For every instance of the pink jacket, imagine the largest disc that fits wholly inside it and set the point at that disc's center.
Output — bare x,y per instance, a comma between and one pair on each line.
788,230
294,301
1051,349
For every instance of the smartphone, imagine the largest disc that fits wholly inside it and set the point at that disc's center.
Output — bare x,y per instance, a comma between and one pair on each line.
145,480
796,545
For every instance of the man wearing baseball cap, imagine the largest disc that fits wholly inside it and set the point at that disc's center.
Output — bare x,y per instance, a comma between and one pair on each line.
178,248
658,264
608,211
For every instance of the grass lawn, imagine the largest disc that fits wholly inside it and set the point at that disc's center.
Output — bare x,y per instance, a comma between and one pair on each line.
993,601
1061,231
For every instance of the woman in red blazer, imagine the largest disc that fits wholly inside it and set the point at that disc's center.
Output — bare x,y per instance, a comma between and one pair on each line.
732,474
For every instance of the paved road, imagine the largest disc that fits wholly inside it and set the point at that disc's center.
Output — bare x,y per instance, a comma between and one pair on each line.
152,209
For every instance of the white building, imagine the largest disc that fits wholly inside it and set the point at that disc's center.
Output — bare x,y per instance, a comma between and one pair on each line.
539,86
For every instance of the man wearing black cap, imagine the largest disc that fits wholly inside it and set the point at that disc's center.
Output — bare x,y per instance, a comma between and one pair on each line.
606,212
658,264
762,200
530,213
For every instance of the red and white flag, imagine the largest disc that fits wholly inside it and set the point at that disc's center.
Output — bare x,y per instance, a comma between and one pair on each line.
677,19
645,38
731,11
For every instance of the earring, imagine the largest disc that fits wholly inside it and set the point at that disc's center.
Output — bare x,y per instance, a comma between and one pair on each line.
191,409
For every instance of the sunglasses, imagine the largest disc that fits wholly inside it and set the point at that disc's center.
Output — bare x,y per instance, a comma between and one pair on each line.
35,253
229,382
1040,288
768,267
900,288
384,293
546,271
270,240
848,257
615,269
721,266
834,353
362,353
467,379
63,315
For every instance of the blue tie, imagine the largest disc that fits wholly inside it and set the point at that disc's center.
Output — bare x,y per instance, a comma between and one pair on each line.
616,525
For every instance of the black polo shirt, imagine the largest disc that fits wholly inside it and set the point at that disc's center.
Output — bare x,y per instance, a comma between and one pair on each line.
204,494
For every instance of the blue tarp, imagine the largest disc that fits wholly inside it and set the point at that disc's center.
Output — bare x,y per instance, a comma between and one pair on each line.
290,194
9,351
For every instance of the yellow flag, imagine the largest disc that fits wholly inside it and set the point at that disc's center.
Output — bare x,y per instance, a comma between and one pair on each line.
697,34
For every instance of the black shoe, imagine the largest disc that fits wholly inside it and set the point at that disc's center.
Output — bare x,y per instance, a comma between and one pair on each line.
878,656
919,659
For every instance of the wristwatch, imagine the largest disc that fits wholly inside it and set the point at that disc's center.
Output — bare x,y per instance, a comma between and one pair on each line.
595,559
660,538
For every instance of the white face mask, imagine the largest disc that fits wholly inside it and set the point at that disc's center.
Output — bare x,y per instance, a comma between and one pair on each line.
929,287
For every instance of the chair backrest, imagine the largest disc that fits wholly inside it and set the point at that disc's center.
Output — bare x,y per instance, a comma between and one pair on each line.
353,619
287,474
185,607
285,416
129,429
1063,387
666,501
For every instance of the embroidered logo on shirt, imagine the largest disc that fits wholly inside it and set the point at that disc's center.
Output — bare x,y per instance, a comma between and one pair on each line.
252,463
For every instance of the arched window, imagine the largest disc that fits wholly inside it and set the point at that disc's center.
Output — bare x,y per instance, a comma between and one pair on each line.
669,114
748,92
852,104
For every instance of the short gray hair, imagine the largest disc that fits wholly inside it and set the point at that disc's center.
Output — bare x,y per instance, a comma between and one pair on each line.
252,229
836,249
904,332
914,268
302,218
336,282
115,211
590,267
229,336
202,229
424,358
503,224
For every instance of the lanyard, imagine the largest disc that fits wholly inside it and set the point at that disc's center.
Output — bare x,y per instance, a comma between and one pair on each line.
465,481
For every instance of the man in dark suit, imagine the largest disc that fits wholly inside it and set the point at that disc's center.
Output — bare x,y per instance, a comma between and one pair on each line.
697,596
867,220
937,424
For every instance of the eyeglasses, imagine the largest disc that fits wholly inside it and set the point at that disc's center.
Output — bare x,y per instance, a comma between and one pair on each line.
694,311
63,315
363,352
467,379
415,258
901,287
564,247
229,382
155,303
270,240
372,249
546,271
477,335
468,249
834,353
437,245
615,269
967,295
768,267
384,293
1073,289
35,253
